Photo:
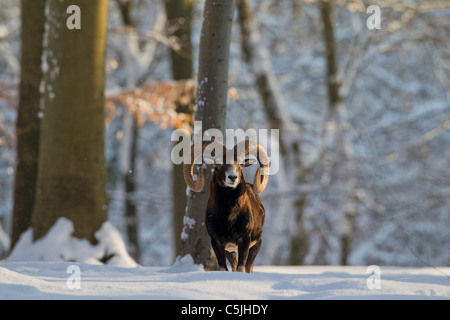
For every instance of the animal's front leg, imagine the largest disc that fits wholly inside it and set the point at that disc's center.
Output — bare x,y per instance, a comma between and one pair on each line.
243,254
231,256
252,252
219,250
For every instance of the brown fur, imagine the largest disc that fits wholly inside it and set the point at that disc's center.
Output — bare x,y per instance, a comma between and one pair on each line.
234,219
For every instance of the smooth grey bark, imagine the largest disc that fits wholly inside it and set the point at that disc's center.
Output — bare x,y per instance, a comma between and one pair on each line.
211,105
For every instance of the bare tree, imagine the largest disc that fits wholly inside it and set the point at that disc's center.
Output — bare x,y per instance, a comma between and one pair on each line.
72,175
211,110
129,145
28,121
258,58
179,16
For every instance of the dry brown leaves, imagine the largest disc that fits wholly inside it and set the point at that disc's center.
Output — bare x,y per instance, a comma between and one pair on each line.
170,104
157,102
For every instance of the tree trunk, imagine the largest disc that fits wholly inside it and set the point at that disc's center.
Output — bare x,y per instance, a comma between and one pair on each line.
211,110
341,169
28,121
257,57
179,16
326,11
128,171
129,145
72,175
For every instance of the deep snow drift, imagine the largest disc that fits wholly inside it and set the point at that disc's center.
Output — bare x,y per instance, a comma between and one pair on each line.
185,280
59,245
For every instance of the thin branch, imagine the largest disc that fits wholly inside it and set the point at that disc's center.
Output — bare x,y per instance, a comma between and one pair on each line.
426,137
426,263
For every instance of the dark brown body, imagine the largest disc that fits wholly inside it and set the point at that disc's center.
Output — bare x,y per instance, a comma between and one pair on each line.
234,220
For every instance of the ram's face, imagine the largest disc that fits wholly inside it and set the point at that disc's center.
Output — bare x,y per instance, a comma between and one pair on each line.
228,175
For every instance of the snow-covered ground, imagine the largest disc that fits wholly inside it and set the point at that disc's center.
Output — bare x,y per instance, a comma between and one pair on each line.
185,280
39,270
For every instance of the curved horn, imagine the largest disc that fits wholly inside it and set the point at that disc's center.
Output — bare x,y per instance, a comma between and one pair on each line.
188,168
188,173
247,147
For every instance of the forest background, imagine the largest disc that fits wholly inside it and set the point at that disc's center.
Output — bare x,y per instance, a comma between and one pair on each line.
364,119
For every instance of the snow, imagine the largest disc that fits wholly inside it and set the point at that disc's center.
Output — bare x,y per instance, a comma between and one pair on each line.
60,245
185,280
188,223
46,269
5,242
395,87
